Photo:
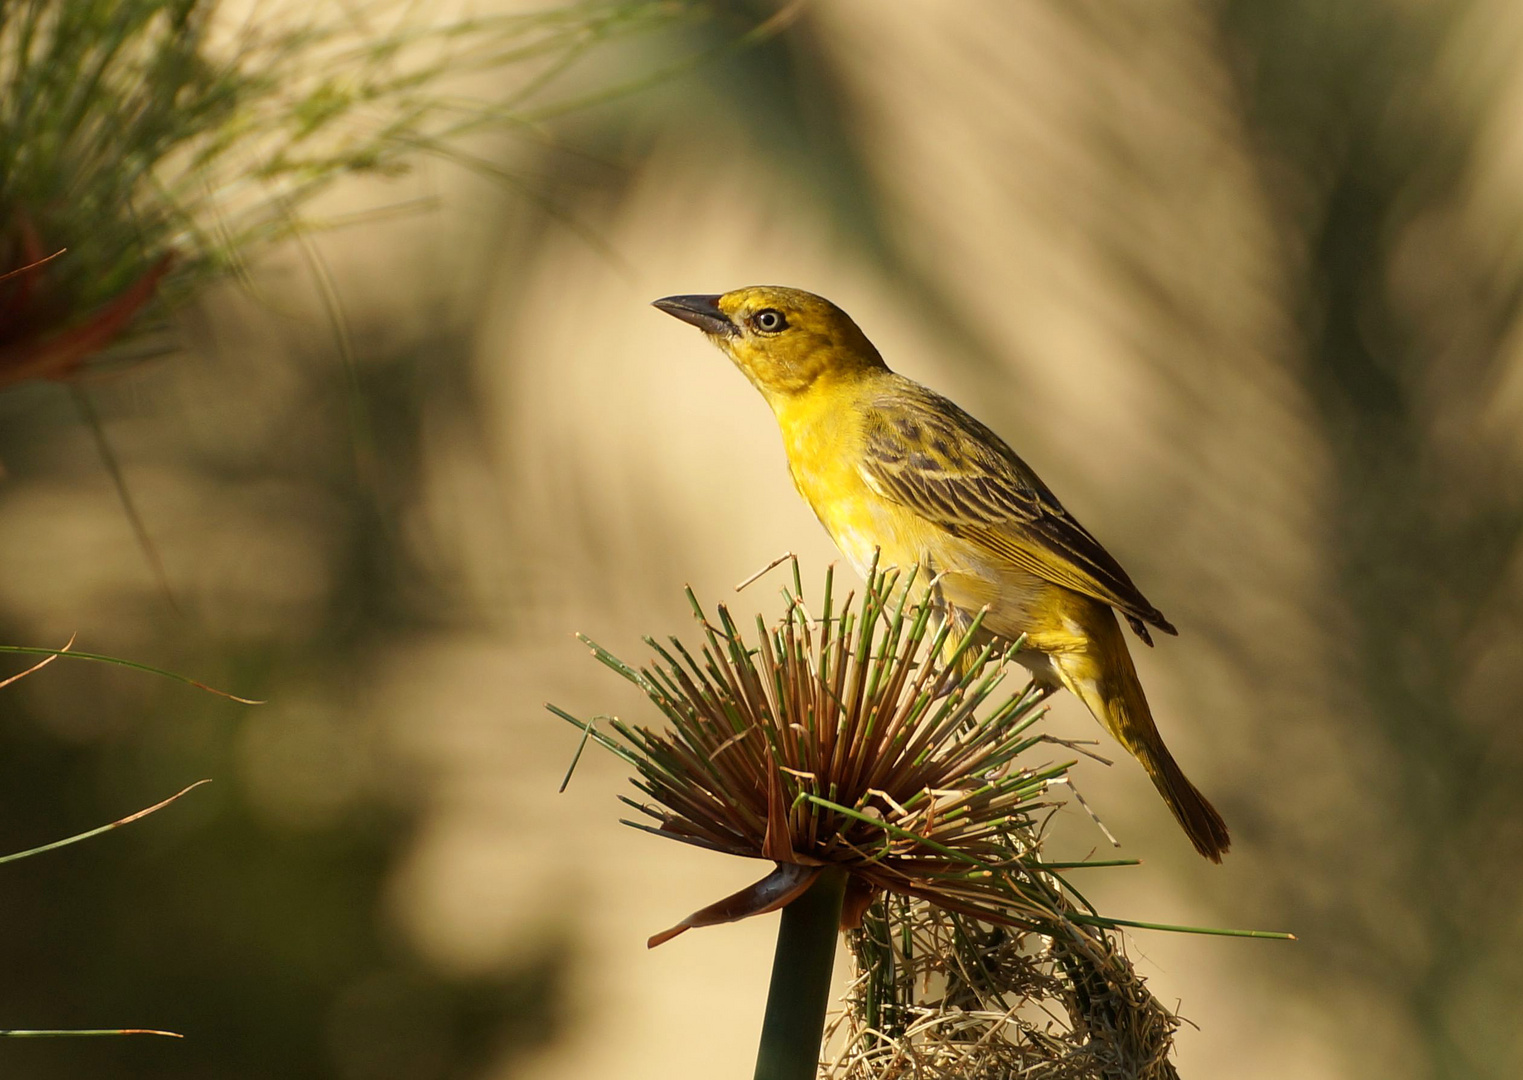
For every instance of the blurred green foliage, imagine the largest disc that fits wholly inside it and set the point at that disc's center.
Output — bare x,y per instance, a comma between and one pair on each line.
1378,120
264,939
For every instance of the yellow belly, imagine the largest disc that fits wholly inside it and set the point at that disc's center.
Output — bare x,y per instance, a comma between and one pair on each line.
823,460
823,456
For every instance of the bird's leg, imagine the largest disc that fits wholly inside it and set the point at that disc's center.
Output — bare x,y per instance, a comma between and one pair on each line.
947,683
959,624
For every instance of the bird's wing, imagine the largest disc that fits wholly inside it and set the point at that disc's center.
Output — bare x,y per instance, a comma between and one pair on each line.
926,454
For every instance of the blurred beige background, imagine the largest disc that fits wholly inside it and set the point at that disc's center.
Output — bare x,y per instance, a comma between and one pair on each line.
1114,233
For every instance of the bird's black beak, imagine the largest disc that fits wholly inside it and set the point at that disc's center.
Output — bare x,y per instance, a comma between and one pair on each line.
702,311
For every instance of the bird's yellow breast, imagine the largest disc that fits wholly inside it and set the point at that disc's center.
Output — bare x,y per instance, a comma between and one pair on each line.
824,434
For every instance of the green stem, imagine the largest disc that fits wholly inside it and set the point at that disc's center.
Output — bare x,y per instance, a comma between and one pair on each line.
800,991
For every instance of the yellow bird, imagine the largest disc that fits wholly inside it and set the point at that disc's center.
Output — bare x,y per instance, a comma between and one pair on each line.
889,465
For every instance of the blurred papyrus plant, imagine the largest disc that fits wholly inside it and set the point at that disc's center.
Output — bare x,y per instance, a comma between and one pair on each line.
147,146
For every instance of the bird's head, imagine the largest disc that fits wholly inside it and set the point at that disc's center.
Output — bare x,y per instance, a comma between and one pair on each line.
784,340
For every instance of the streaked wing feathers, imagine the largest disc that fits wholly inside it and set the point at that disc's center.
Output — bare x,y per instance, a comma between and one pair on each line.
925,453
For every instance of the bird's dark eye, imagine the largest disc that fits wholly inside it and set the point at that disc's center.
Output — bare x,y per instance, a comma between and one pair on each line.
769,321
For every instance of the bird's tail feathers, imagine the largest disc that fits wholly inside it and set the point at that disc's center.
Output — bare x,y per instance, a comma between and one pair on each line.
1113,693
1194,812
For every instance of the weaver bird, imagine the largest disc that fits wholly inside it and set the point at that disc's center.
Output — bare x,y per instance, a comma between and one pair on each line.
897,472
